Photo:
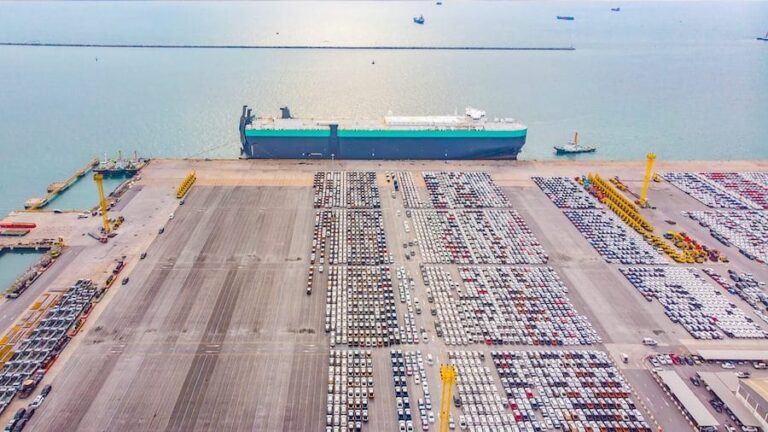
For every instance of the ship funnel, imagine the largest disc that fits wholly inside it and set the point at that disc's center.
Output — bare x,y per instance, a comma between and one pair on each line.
285,112
244,108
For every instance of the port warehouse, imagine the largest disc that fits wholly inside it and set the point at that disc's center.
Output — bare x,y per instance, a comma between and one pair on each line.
215,329
698,412
753,393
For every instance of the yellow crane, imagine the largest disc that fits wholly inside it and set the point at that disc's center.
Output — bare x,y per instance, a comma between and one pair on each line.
99,179
647,179
448,377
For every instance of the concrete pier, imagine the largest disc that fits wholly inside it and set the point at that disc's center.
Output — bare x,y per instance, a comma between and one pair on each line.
214,330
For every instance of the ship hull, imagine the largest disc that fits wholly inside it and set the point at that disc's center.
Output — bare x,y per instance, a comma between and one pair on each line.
387,148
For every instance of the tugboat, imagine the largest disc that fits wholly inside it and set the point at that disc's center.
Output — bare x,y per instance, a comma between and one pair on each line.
419,19
764,39
574,147
618,9
565,17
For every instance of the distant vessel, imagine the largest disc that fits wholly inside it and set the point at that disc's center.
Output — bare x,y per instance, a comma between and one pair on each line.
419,19
469,136
763,38
565,17
119,166
574,147
439,3
618,9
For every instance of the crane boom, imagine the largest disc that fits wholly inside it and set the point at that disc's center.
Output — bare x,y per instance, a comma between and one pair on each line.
99,179
448,378
647,179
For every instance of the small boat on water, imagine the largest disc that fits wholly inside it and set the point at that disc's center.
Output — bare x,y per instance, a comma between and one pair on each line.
765,39
439,3
419,19
618,9
573,146
565,17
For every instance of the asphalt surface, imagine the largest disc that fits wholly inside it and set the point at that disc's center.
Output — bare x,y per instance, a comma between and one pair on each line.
214,331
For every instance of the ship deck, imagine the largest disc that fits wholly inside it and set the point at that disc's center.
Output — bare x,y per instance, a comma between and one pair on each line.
425,123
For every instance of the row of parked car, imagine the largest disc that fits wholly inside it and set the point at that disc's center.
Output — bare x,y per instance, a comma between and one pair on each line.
346,236
612,239
24,415
404,365
566,193
752,188
32,355
746,287
503,305
692,302
360,307
452,318
353,237
476,237
414,367
350,390
463,190
346,189
567,390
522,306
481,403
411,197
745,230
709,194
406,284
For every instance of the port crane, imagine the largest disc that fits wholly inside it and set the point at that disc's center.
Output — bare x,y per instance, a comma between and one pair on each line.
650,158
99,179
448,378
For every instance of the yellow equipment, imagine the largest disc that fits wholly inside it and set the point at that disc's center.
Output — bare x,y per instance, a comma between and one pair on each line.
629,213
647,179
99,179
186,184
448,377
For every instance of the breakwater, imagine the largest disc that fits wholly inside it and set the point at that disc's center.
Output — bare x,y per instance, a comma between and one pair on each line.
293,47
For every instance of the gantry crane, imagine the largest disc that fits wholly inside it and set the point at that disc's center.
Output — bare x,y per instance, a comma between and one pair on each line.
99,179
647,179
448,378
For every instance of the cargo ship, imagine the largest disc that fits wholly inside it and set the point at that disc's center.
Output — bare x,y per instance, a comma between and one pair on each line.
468,136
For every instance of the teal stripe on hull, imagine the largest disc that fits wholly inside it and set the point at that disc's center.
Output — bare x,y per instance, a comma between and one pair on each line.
381,133
298,133
431,134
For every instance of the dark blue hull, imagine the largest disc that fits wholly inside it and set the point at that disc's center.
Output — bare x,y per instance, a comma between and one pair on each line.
381,148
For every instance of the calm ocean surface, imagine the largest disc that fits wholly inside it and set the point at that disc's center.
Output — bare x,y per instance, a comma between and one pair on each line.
12,265
685,79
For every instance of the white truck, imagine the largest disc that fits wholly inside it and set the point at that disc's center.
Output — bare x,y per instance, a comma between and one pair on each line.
650,342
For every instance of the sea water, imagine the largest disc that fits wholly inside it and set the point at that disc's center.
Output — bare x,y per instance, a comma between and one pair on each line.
687,80
13,264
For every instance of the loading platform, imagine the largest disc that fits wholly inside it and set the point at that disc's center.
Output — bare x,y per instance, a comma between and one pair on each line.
57,188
